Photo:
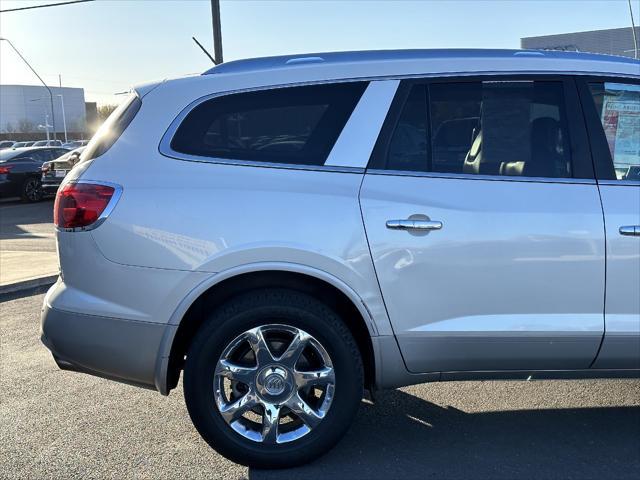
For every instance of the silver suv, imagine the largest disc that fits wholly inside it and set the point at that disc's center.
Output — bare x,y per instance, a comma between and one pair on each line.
292,231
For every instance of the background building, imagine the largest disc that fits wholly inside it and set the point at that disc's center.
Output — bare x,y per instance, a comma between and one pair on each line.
27,109
614,41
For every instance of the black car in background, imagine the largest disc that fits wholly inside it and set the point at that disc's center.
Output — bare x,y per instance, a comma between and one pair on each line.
20,171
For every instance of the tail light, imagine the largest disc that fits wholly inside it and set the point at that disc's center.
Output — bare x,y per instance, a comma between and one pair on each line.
81,205
5,170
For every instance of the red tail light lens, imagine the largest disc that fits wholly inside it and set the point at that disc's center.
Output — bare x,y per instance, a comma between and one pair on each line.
5,170
80,204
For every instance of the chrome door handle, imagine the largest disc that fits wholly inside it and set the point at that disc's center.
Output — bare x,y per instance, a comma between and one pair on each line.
630,230
422,225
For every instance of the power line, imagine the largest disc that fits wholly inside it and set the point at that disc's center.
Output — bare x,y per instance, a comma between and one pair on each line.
45,5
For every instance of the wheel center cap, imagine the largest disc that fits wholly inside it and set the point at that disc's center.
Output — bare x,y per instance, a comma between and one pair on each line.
274,384
273,381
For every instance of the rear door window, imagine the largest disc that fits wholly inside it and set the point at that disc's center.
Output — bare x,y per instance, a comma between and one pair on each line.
506,128
618,107
295,125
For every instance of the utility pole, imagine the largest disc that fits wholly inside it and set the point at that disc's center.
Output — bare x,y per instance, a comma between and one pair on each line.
53,115
217,31
633,31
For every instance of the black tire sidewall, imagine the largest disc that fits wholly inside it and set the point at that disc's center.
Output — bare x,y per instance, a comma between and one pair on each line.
222,327
24,190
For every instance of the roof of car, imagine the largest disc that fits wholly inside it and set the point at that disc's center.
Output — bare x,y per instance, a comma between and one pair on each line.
39,147
443,60
9,153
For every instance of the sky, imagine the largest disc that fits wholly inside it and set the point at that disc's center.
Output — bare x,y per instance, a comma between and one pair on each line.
107,46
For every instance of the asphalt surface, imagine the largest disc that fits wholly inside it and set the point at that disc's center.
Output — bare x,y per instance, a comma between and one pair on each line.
27,227
57,424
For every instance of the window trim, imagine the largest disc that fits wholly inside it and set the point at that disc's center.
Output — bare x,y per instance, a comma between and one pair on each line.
599,147
581,165
355,143
166,150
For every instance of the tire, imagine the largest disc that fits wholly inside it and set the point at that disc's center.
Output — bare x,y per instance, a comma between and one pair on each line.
31,190
267,311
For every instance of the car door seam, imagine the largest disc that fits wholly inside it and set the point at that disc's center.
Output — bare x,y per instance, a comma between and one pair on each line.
604,304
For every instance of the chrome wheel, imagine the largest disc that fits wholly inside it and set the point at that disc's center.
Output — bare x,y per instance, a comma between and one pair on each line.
274,384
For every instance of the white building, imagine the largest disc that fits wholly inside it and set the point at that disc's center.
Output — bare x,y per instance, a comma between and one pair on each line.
613,41
27,108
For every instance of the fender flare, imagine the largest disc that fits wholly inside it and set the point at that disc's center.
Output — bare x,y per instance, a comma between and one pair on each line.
162,359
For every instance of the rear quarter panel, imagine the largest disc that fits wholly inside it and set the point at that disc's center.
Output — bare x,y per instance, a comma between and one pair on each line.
204,217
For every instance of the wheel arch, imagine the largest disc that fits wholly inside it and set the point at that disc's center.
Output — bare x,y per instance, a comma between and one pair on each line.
220,287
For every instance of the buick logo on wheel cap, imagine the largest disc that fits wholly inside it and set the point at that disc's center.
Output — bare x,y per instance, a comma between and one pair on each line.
274,384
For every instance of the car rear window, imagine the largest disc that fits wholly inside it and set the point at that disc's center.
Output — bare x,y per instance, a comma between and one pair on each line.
294,125
9,154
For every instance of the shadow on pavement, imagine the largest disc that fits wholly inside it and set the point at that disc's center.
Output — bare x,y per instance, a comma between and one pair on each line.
15,214
403,436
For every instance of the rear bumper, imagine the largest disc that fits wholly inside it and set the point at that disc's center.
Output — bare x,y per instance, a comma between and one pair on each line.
50,187
7,187
121,350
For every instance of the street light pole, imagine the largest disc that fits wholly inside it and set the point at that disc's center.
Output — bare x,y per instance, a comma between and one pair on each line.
217,31
53,115
64,117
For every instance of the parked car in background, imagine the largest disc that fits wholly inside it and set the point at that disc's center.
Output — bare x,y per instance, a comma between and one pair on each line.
290,231
23,144
20,171
75,143
53,172
6,144
48,143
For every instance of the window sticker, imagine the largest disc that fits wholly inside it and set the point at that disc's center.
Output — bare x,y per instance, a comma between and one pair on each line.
621,121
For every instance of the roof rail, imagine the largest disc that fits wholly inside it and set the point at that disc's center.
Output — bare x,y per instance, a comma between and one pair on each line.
334,58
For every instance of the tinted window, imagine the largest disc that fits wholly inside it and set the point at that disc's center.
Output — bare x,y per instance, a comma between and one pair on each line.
287,125
51,153
408,145
58,152
618,106
9,154
484,128
39,155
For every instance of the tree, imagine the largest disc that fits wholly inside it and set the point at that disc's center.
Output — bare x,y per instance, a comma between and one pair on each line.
104,111
9,128
25,126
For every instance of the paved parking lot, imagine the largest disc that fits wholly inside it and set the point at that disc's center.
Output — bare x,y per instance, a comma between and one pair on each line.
57,424
27,226
27,241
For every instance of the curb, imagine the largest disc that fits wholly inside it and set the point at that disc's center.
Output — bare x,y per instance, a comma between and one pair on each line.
30,284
